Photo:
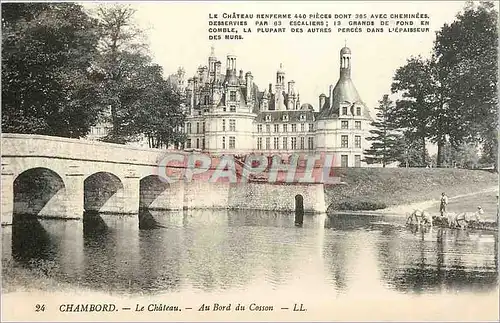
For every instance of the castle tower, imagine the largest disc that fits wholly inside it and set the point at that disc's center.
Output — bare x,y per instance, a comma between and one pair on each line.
280,79
212,60
279,100
344,93
343,122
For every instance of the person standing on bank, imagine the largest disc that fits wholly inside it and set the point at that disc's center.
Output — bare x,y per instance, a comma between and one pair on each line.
444,203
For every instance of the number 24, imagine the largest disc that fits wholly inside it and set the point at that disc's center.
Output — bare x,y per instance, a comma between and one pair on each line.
39,308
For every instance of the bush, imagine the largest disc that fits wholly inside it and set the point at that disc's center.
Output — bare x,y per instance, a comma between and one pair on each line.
359,206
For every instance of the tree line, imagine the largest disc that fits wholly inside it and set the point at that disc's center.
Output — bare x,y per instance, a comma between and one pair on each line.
65,69
449,99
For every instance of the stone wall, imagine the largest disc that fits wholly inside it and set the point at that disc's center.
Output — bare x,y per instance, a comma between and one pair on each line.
252,196
276,197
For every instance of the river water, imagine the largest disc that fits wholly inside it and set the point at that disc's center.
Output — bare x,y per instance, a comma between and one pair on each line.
215,251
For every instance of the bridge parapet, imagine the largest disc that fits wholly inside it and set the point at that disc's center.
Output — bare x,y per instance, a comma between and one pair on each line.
27,145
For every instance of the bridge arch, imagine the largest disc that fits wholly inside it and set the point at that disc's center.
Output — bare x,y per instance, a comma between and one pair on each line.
103,192
39,191
153,193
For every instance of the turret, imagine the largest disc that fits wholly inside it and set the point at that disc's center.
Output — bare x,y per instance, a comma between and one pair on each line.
345,63
280,79
344,94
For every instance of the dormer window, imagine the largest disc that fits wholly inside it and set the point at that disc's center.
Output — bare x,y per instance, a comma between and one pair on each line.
302,117
285,117
344,110
358,111
268,117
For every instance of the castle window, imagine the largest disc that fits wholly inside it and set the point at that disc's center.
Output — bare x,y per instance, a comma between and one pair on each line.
203,143
188,127
357,161
294,143
197,142
344,124
232,142
203,127
311,127
199,112
358,111
223,124
344,141
223,142
197,127
188,143
232,96
302,117
268,117
285,128
294,127
268,128
276,143
302,143
285,117
259,128
357,125
276,128
232,125
344,110
268,143
232,108
344,161
224,109
310,143
302,127
285,143
357,142
259,143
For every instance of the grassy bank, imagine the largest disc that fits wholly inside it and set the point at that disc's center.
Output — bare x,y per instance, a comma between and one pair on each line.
378,188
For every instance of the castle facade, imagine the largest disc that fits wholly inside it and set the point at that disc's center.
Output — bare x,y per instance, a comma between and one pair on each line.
228,114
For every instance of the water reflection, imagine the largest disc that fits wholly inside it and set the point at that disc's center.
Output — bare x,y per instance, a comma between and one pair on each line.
216,250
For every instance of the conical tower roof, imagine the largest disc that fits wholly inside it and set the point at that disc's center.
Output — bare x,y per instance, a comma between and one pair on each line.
344,92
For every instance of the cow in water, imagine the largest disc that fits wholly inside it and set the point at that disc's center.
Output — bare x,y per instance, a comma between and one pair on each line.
420,217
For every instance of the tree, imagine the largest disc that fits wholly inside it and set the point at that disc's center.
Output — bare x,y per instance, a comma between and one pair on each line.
467,53
384,148
411,154
140,101
463,156
158,115
414,112
47,50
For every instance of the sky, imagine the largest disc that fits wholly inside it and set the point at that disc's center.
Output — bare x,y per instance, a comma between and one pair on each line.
177,33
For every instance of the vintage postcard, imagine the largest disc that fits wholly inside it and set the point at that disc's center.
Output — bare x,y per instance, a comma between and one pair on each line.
249,161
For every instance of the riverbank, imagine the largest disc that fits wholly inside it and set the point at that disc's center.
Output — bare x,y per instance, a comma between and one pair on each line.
397,190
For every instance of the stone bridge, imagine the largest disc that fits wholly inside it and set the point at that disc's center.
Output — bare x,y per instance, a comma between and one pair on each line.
61,177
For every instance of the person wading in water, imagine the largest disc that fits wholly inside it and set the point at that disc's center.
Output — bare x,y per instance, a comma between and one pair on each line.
444,203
